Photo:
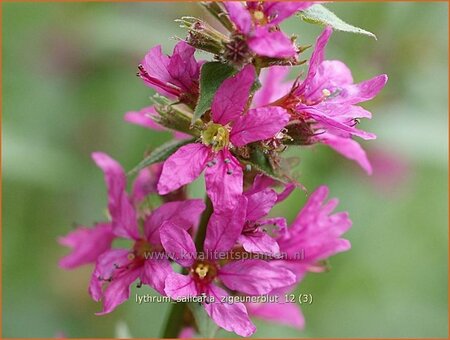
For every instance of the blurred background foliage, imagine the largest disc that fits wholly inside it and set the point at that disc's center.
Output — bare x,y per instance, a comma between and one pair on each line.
68,78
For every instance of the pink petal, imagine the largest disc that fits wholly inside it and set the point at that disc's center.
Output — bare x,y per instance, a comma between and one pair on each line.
178,244
178,286
330,75
260,183
258,124
145,182
183,68
183,167
348,148
224,181
118,291
331,122
122,212
316,58
87,244
366,90
224,229
315,233
231,98
271,44
284,9
106,268
155,272
272,85
143,118
288,314
239,15
260,203
156,64
185,214
260,243
232,317
286,192
254,277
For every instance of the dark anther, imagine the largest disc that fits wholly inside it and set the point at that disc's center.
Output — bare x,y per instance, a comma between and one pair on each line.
229,172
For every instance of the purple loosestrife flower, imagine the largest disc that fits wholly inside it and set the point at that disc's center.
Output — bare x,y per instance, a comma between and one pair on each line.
118,268
89,243
228,128
260,200
326,100
313,236
247,276
258,22
176,76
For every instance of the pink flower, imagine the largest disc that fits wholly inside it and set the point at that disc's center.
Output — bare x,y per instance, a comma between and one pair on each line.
260,200
314,235
248,276
229,128
89,243
326,102
173,76
258,20
116,269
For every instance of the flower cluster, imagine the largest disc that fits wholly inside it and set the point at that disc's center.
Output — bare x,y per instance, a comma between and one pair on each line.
232,118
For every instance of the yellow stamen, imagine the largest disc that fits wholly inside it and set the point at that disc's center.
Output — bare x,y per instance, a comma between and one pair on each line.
202,270
326,92
217,136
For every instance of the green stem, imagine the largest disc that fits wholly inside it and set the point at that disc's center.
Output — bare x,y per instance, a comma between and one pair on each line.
201,233
174,322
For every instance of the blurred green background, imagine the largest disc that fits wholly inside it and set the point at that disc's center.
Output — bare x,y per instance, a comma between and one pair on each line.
69,76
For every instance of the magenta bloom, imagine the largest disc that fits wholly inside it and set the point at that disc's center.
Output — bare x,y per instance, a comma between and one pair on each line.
118,268
89,243
260,200
248,276
229,128
258,20
327,100
314,235
173,76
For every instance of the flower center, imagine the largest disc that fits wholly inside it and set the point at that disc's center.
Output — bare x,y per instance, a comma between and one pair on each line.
216,136
204,272
259,18
140,249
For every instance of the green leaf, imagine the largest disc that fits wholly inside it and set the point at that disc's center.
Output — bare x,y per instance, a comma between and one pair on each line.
212,76
318,14
260,162
161,153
